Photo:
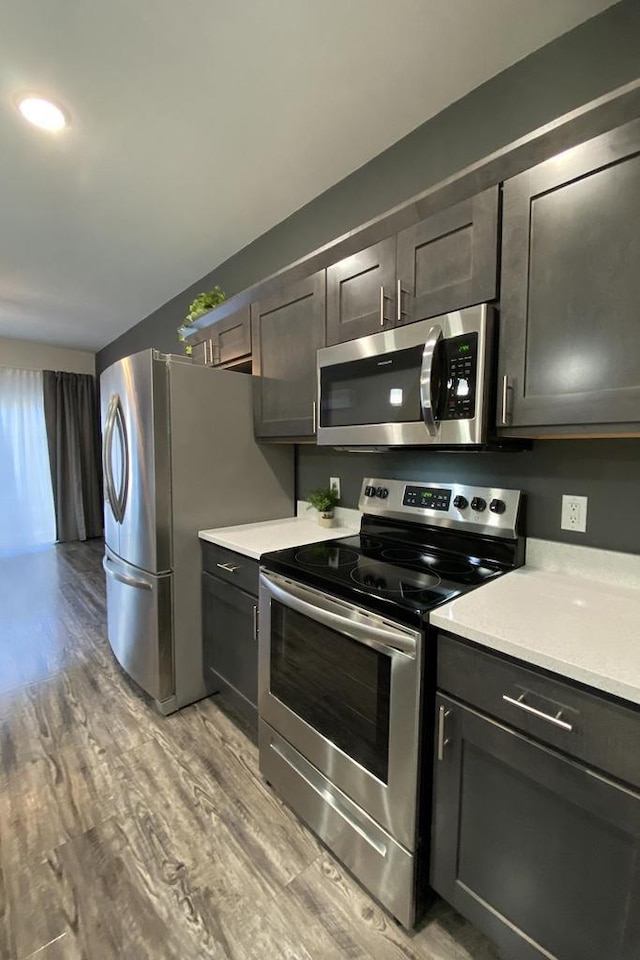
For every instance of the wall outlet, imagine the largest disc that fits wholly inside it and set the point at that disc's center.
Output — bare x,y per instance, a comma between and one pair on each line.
334,484
574,513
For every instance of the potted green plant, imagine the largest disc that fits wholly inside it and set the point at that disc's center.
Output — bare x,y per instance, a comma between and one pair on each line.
324,501
202,304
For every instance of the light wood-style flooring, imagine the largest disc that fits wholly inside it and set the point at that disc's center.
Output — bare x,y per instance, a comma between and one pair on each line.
127,835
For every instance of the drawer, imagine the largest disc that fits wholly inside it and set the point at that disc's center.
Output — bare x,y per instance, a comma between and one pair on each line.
593,728
233,567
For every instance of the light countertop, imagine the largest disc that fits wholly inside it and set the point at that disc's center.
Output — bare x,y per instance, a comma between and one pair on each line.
573,623
255,539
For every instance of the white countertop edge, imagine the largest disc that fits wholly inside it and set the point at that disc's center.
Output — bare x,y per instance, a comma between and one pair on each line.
604,566
255,539
534,658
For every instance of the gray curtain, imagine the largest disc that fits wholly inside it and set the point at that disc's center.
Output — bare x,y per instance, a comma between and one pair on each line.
73,432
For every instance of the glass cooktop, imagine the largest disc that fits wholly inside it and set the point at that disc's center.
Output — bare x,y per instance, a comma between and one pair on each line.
382,573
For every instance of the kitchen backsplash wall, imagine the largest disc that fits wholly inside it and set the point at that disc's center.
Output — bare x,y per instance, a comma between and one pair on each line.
605,471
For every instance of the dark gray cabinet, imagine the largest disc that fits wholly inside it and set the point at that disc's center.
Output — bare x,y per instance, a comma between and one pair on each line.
225,341
361,293
539,850
449,260
570,291
230,624
442,263
287,331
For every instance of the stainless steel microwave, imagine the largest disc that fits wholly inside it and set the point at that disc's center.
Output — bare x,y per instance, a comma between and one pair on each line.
423,384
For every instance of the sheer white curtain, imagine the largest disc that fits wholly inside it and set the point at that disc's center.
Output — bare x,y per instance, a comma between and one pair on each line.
27,516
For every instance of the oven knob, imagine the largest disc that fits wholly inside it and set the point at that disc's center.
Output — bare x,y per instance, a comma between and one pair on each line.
478,504
369,491
497,506
460,503
382,492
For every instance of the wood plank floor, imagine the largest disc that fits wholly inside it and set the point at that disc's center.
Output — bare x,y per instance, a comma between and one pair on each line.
127,835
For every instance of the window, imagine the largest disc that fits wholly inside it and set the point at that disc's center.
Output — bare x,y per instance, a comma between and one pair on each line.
27,515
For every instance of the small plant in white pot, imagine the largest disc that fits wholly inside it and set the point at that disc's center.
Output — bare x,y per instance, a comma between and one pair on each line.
324,501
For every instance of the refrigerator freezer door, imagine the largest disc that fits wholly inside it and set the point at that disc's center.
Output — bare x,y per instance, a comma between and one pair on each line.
140,625
136,454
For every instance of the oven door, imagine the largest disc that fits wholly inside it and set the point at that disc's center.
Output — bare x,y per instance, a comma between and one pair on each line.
343,686
422,384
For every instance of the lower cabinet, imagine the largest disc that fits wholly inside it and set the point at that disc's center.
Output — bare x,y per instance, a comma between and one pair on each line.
230,640
538,850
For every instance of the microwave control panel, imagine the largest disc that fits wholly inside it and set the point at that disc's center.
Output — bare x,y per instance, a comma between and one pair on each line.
460,356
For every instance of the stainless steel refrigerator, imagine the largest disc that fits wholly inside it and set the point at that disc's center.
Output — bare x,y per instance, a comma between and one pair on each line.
178,456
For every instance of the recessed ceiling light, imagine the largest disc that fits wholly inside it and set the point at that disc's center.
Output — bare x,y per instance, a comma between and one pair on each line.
42,113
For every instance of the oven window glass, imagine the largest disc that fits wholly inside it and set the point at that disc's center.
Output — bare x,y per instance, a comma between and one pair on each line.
339,686
381,389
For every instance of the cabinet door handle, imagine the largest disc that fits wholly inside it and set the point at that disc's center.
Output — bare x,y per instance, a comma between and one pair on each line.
314,416
557,721
400,313
504,418
228,567
204,344
255,621
382,316
443,713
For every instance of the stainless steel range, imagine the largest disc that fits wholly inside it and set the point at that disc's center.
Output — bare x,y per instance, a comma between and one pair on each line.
346,675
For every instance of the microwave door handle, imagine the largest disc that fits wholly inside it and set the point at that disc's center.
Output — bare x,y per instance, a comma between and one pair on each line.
426,379
336,616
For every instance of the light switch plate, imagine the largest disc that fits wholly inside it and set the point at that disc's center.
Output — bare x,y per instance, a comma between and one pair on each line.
574,513
334,484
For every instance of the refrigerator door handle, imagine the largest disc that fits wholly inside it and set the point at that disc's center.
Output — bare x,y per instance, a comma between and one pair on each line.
122,578
124,446
107,444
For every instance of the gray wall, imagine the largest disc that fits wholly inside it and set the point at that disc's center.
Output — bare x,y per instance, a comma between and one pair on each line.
605,471
596,57
587,62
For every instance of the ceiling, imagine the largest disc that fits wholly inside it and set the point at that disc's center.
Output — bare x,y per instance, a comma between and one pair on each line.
197,126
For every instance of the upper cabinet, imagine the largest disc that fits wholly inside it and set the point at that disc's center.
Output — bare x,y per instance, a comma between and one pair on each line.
361,293
287,330
227,340
570,292
449,260
443,263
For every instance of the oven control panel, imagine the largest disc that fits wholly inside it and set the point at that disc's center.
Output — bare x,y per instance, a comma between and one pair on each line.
431,498
487,510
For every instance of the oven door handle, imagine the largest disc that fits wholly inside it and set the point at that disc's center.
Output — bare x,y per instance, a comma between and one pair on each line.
341,616
434,337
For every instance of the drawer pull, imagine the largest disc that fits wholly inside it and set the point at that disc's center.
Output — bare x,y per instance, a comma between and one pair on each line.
255,621
228,567
557,721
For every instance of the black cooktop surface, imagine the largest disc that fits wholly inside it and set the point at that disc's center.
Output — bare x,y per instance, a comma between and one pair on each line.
389,575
